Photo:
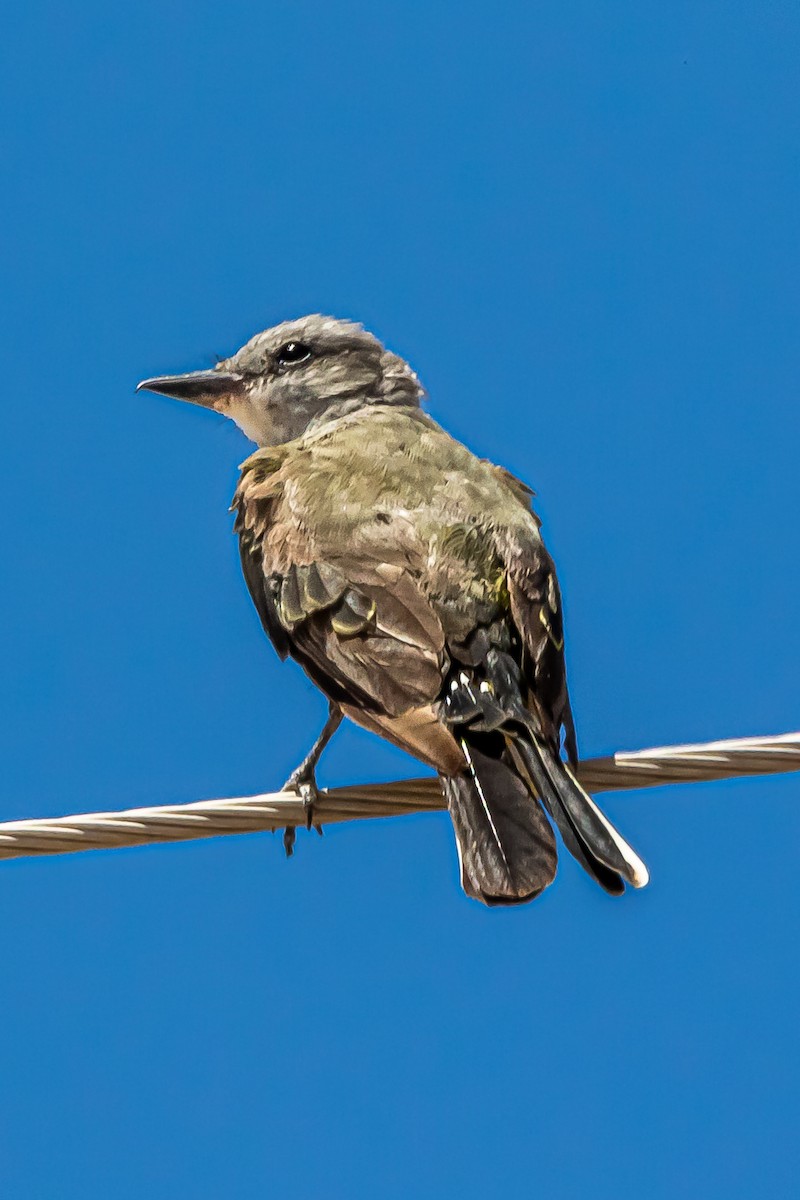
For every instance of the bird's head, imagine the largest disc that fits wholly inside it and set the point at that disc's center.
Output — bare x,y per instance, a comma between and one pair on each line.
296,375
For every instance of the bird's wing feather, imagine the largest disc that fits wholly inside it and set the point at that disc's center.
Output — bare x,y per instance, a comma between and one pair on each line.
535,605
381,638
361,627
263,597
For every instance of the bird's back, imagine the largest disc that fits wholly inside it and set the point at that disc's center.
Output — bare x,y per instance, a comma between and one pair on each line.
391,486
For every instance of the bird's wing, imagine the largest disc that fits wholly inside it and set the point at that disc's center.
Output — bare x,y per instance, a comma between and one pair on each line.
376,637
536,612
359,625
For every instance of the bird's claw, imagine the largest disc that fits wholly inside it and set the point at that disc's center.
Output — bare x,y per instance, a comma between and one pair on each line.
307,790
309,794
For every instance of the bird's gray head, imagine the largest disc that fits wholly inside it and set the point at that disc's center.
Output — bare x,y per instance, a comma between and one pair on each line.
297,376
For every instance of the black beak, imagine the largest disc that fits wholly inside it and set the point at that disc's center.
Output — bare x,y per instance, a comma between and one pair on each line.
199,387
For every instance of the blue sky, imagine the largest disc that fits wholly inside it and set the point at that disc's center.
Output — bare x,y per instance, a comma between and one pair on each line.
579,222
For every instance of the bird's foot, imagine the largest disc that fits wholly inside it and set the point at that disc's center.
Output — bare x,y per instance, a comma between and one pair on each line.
304,783
303,780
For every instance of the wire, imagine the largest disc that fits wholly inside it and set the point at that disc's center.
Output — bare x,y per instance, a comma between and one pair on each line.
276,810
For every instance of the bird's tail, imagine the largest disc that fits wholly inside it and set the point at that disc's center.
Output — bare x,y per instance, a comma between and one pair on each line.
506,845
588,834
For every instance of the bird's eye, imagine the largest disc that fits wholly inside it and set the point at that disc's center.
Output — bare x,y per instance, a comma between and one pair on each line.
292,353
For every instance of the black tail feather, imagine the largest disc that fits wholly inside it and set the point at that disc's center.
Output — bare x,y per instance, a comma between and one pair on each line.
505,842
610,881
587,834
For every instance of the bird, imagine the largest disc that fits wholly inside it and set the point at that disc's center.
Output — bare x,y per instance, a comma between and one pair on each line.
409,579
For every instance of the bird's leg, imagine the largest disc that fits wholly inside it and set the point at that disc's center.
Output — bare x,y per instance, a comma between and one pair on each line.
303,779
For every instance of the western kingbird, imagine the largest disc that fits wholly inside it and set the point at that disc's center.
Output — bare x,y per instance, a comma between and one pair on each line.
410,581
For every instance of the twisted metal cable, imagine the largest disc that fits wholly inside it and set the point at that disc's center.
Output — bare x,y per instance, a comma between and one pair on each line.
276,810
